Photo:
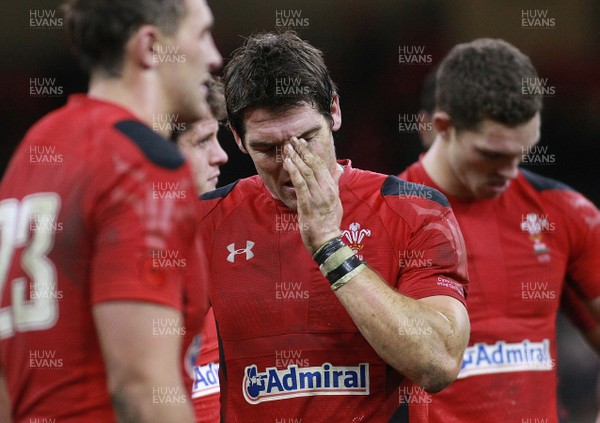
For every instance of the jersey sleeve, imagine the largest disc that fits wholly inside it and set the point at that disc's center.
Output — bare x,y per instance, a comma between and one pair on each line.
434,262
583,229
430,247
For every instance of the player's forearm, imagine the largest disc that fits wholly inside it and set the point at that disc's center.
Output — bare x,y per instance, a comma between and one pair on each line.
431,360
147,402
414,338
143,369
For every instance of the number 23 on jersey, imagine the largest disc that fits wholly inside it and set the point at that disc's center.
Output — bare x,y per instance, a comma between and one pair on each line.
29,224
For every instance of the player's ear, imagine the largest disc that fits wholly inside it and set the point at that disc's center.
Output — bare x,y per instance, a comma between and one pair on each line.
238,140
336,113
426,132
143,45
442,124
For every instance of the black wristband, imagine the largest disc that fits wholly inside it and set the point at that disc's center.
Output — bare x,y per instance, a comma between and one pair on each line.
327,249
343,269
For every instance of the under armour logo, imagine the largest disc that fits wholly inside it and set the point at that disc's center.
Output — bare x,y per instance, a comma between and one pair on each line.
233,252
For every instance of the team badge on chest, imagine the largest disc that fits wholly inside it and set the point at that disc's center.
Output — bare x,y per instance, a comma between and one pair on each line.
536,225
354,235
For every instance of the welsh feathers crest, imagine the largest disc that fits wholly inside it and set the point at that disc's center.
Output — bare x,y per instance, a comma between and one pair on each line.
354,236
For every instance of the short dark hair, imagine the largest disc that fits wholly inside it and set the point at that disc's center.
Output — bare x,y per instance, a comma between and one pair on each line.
216,99
483,79
428,92
100,29
253,77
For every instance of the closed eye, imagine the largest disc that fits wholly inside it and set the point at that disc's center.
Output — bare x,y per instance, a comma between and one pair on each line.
268,149
310,134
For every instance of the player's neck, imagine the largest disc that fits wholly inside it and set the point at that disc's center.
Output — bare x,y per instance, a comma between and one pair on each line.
435,163
135,96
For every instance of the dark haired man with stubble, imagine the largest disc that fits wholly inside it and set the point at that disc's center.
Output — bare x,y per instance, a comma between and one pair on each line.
319,316
526,235
94,320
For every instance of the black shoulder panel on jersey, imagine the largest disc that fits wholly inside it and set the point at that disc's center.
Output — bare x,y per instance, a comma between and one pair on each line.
542,183
219,192
396,186
158,150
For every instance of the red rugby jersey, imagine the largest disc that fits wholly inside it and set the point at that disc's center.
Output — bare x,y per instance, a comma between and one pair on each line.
289,348
94,207
521,247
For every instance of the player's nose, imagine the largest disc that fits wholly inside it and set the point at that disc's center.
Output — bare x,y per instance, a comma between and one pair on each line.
510,170
218,155
215,60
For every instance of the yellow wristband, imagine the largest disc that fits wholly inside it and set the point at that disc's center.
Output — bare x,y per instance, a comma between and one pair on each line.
337,258
346,278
